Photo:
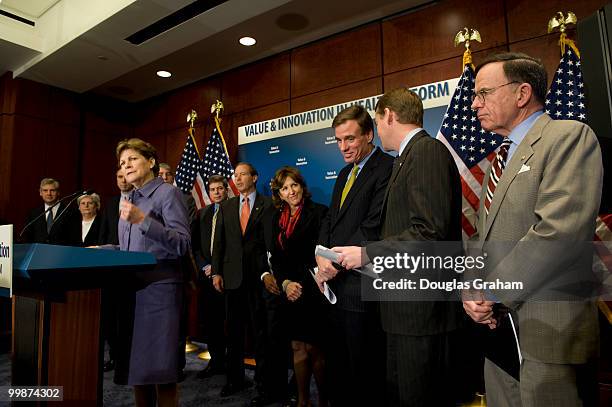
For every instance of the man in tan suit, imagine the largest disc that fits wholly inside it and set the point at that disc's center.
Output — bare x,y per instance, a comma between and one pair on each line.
544,186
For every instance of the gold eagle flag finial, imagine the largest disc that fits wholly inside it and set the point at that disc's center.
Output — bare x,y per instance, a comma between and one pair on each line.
465,36
561,22
191,118
217,109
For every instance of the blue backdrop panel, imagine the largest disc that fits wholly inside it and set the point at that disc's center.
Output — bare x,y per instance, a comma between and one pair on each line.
314,153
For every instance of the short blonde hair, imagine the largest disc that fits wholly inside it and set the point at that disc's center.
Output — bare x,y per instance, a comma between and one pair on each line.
49,181
95,198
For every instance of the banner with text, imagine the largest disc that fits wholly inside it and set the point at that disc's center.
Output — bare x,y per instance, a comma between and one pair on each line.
307,141
6,260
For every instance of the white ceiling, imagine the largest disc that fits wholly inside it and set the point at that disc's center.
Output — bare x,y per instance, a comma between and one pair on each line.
79,44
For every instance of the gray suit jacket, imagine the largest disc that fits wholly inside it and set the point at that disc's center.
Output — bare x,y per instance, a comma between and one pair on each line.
549,192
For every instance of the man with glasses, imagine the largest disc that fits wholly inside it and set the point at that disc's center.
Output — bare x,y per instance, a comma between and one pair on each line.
544,185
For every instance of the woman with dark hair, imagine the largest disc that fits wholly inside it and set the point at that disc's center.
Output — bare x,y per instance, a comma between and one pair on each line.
296,227
154,220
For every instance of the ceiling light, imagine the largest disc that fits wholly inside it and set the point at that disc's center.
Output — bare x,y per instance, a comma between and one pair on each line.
247,41
164,74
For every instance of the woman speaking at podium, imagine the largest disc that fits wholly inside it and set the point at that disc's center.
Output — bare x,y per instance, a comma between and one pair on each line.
153,220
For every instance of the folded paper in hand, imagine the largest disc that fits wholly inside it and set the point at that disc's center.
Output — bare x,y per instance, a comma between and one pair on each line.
327,292
366,270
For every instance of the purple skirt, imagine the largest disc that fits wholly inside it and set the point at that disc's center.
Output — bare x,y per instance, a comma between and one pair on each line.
152,342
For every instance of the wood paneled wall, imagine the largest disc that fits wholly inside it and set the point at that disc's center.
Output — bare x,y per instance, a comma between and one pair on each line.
50,132
404,50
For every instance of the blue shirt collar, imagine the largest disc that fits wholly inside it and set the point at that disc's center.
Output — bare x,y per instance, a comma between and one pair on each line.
363,162
407,139
251,198
517,134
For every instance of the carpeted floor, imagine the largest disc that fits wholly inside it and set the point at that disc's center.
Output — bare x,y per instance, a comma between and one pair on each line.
193,391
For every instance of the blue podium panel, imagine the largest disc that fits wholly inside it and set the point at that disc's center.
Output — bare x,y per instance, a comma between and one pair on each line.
41,257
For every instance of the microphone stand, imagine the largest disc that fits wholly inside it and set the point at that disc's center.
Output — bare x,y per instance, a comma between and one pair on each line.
44,213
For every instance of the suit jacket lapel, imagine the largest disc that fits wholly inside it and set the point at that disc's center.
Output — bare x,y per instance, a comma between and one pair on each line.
397,166
521,156
362,177
233,217
255,213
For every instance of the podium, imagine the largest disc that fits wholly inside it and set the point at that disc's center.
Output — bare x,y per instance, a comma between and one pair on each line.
56,315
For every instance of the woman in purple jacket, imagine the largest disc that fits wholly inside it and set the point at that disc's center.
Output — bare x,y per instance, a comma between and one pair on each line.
153,220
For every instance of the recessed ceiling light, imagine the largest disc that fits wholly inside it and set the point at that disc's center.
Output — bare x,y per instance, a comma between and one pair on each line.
247,41
164,74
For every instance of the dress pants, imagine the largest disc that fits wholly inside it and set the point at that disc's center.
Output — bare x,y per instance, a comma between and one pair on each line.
255,309
542,384
212,323
422,370
355,358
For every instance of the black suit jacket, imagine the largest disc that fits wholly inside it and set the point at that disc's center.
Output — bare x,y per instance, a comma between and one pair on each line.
60,232
93,236
242,259
358,221
110,221
422,203
201,237
292,261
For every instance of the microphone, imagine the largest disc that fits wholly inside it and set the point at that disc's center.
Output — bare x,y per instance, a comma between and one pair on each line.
44,213
75,196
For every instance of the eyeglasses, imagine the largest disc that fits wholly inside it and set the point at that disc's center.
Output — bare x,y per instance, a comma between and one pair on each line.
482,93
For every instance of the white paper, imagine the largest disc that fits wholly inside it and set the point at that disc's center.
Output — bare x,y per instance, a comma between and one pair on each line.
331,255
518,346
326,253
327,292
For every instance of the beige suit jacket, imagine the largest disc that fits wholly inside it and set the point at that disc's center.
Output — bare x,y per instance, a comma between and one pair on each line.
549,191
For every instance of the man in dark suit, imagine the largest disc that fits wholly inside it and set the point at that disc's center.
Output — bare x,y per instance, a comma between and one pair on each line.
544,188
353,218
108,235
110,214
240,268
211,302
48,228
422,203
166,173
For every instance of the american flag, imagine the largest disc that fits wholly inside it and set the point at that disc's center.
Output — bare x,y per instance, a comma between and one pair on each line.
188,167
472,148
565,99
215,162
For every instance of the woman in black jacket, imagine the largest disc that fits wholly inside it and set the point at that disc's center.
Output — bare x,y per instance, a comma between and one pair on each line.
295,231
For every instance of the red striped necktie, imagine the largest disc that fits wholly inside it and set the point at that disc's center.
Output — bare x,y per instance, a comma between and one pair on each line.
499,164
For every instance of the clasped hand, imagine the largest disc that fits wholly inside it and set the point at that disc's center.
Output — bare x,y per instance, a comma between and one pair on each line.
478,308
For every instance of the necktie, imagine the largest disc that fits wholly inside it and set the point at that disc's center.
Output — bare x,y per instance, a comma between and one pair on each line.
244,214
49,221
349,183
212,231
496,172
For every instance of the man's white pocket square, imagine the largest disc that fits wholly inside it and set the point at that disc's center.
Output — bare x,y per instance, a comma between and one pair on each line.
524,168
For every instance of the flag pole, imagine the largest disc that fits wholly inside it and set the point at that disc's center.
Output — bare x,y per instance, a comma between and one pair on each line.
561,22
191,118
217,110
465,36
